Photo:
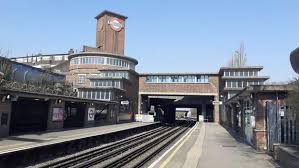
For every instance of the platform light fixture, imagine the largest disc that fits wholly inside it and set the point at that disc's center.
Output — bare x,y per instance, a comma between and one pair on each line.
58,101
3,99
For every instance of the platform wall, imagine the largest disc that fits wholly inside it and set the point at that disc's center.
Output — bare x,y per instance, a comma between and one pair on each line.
5,114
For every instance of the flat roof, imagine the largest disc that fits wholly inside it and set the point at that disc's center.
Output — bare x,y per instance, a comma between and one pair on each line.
261,89
242,67
110,13
39,55
104,54
178,73
26,65
246,77
52,96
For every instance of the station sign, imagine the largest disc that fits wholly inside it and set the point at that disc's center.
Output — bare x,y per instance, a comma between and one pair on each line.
248,111
115,24
91,113
125,102
217,102
57,114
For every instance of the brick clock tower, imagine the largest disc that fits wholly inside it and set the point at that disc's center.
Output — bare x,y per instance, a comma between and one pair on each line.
110,33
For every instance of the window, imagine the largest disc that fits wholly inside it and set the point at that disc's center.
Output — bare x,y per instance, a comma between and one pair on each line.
177,79
234,84
84,94
246,73
89,94
228,84
107,95
81,79
100,60
163,78
206,79
46,58
240,84
174,79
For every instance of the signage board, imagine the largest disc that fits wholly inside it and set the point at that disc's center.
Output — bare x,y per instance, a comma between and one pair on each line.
115,24
217,102
125,102
281,113
57,114
200,118
91,113
248,111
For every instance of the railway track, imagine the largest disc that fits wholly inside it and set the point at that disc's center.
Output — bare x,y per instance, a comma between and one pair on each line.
134,151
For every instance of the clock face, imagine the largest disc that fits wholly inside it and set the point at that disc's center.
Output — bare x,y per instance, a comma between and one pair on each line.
115,24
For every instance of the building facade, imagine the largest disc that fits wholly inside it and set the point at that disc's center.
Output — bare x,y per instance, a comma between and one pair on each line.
189,90
51,62
234,79
260,114
104,73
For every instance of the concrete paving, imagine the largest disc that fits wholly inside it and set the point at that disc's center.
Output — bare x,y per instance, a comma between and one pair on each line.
220,149
210,146
14,143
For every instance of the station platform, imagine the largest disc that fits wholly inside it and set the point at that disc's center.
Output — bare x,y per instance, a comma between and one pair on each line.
209,145
28,141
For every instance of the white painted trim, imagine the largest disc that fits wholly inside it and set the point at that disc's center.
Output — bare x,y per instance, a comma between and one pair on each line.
175,145
177,93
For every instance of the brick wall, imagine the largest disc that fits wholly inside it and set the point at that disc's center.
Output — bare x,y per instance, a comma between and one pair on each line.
193,88
5,108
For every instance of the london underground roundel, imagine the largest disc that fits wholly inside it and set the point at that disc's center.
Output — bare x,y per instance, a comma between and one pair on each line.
115,24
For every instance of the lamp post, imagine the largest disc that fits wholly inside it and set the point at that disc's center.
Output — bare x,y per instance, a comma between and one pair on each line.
118,99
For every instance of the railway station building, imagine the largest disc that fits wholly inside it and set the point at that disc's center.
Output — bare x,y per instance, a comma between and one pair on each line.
34,100
182,90
105,73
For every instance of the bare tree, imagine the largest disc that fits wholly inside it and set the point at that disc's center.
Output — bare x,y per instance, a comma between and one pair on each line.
239,58
293,96
5,66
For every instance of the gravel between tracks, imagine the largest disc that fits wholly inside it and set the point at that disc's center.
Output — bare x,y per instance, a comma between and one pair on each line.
84,151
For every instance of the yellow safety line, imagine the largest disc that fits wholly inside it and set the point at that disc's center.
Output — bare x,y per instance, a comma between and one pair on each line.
175,151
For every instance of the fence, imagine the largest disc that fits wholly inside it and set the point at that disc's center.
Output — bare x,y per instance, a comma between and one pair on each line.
288,131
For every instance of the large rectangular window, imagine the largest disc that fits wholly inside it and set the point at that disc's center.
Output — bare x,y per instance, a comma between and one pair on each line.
177,79
81,78
240,84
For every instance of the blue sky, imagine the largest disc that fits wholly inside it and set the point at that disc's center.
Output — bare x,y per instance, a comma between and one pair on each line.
163,35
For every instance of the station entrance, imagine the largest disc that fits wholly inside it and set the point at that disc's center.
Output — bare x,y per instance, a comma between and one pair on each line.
201,108
29,115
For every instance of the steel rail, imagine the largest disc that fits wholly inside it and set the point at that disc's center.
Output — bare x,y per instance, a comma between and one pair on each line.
81,157
97,159
131,156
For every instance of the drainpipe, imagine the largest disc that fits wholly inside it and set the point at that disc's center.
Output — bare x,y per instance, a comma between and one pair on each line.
278,125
